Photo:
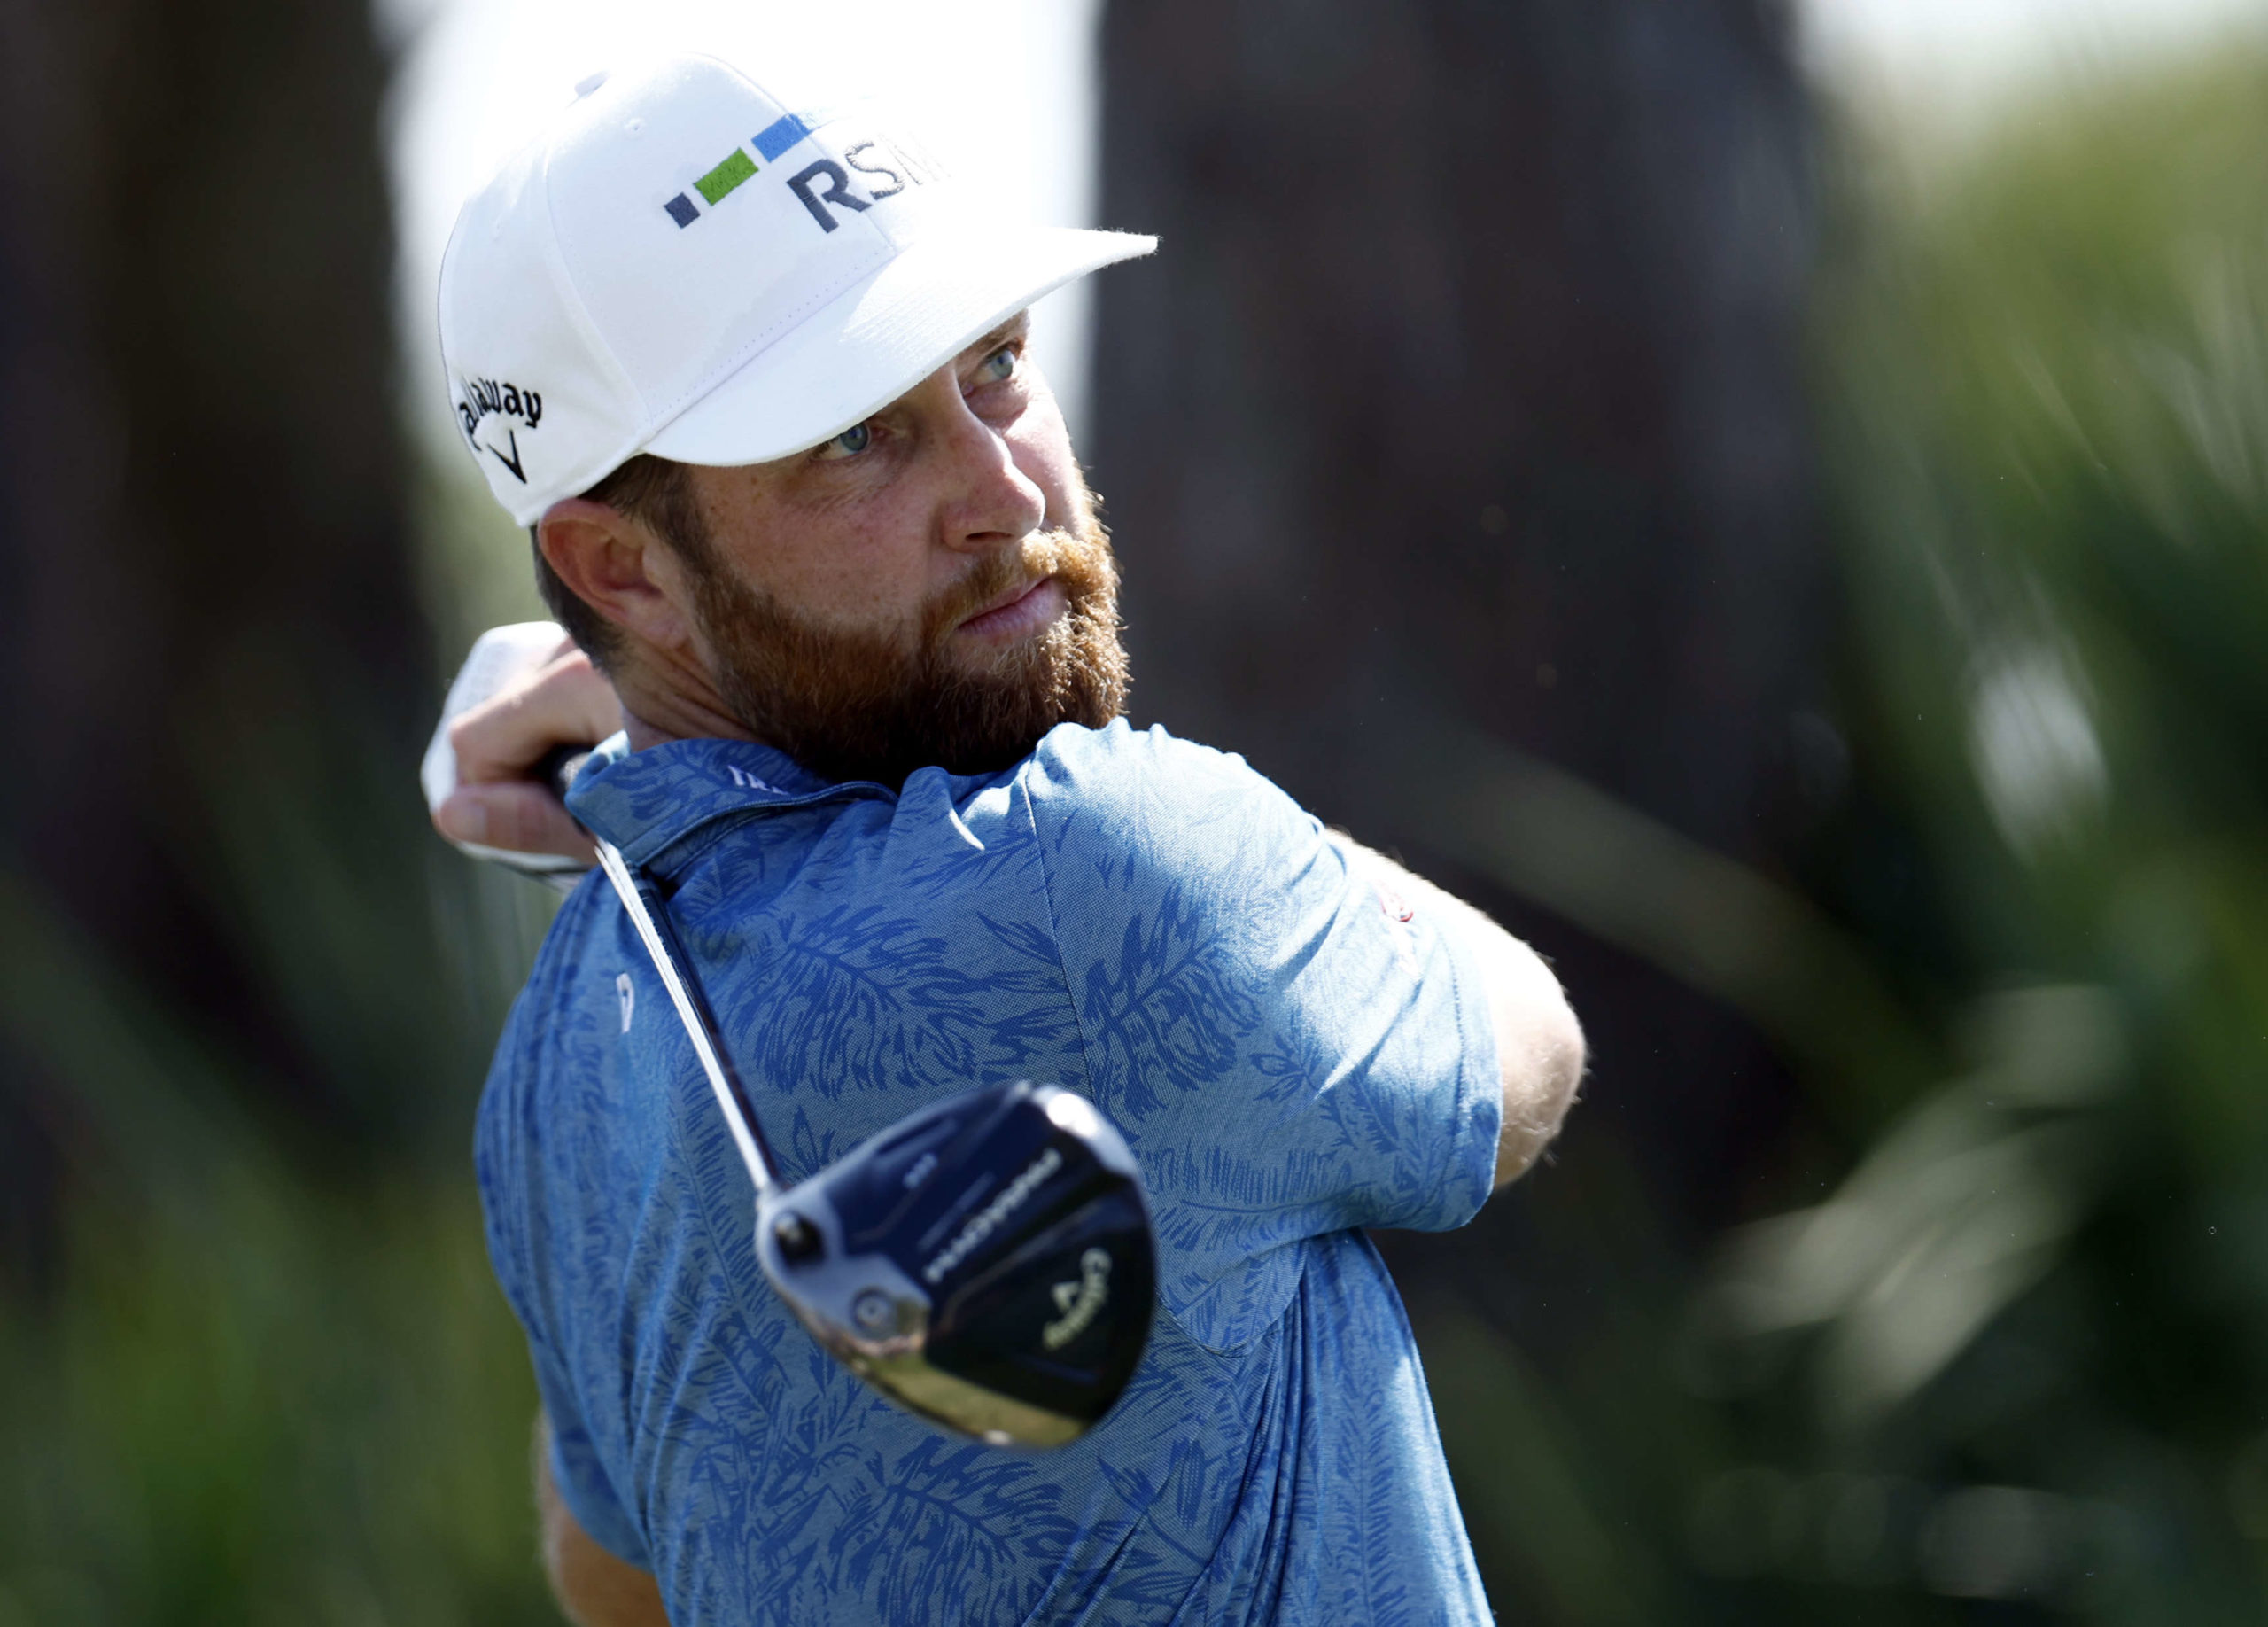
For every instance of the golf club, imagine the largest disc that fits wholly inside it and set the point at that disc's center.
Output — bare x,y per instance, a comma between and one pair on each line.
986,1263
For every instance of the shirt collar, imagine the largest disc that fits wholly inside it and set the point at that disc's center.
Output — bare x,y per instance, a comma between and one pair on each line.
645,802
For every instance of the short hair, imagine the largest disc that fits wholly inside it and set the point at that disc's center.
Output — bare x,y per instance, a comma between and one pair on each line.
658,493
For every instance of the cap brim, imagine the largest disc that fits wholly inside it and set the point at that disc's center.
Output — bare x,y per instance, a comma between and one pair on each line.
882,337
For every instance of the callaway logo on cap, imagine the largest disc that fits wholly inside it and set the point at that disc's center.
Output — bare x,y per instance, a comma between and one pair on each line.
689,266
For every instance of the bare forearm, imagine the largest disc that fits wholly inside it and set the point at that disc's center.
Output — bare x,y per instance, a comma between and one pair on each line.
1539,1043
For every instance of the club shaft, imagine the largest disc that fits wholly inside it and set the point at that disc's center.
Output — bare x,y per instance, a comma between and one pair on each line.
648,914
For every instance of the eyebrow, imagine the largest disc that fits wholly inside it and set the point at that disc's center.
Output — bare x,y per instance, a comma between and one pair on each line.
993,340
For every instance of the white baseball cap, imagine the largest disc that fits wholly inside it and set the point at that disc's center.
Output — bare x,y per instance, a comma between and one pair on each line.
688,265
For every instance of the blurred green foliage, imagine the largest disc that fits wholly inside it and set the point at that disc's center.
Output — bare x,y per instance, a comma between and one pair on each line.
272,1380
276,1405
265,1393
2015,1363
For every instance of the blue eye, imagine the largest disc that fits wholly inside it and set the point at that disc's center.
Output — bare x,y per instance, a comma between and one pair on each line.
852,441
999,367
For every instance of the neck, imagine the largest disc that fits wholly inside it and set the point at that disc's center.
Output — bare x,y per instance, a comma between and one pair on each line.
667,696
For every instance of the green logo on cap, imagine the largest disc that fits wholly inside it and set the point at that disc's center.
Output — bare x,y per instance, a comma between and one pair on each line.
725,177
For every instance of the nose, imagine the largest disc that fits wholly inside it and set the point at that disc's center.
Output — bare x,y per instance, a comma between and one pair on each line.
988,503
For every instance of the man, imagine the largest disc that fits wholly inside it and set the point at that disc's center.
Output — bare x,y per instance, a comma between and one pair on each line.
758,380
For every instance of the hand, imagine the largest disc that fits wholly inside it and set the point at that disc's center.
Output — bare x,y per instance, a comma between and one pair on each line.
562,700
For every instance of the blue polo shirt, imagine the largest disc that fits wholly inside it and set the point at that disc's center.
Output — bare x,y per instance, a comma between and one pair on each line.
1293,1054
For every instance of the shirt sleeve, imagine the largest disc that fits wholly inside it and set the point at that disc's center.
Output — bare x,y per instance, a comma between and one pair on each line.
1291,1049
583,1486
502,1162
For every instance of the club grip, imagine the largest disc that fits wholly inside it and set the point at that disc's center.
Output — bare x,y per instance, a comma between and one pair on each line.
558,768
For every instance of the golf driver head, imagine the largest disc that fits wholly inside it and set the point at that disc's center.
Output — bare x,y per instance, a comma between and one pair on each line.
987,1263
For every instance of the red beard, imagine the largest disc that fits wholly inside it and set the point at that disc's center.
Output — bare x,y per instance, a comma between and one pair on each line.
862,706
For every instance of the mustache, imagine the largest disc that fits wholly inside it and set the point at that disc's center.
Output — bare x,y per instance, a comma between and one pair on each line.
1057,552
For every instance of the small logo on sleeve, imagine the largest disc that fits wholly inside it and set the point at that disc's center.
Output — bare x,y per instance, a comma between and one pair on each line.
1402,931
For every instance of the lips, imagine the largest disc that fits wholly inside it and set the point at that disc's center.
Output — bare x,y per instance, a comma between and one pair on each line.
1006,612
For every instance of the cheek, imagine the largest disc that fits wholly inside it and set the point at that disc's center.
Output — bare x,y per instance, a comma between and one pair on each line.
857,565
839,561
1042,449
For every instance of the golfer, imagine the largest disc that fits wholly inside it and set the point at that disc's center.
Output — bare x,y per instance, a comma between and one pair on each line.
756,375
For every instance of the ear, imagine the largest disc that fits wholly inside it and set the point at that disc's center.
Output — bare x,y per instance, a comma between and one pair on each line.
620,569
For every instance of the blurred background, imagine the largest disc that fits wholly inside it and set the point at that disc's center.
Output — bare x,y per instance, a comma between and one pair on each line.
1771,500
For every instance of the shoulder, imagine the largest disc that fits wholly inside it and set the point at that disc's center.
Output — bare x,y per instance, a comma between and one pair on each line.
1150,792
1126,815
1118,754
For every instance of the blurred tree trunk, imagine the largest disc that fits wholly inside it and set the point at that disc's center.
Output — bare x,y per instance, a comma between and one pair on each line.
201,511
1466,382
